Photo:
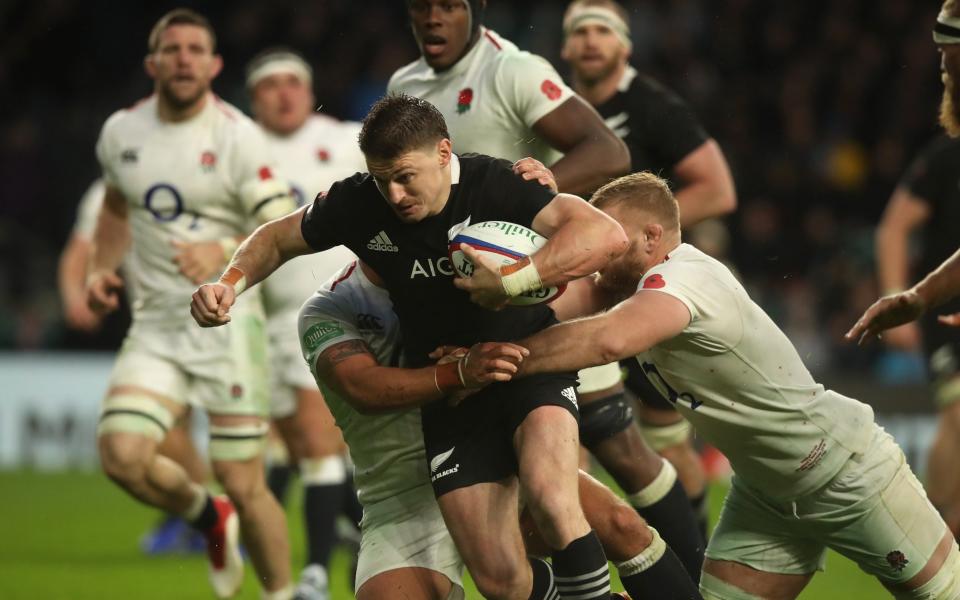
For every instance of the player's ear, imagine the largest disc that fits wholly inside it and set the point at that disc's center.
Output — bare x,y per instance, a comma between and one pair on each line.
445,149
565,50
149,66
653,232
216,66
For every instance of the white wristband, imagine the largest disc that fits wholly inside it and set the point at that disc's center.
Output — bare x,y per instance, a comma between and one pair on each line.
517,281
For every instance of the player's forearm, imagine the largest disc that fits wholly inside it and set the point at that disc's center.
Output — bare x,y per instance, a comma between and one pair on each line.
111,239
72,270
942,284
591,163
587,241
892,244
267,248
568,346
701,200
386,389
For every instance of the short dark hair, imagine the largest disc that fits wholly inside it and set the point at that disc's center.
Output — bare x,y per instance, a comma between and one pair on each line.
180,16
398,123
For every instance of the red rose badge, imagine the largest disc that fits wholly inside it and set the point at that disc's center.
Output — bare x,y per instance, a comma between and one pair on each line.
464,100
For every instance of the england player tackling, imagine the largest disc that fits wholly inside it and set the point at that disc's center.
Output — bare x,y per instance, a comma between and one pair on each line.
812,469
185,174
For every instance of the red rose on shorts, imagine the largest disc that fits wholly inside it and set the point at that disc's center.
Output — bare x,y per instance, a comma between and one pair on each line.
654,282
464,100
550,89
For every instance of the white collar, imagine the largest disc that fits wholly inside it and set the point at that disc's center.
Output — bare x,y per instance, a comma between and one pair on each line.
454,169
628,74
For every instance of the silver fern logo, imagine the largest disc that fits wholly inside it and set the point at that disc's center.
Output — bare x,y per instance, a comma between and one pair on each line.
439,459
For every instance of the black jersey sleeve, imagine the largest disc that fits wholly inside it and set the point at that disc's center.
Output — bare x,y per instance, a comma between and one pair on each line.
323,222
512,198
669,126
932,172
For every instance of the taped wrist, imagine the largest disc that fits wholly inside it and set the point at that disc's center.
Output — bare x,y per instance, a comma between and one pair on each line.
235,278
447,377
519,277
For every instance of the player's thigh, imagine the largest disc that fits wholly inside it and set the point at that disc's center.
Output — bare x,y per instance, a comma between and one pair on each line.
765,537
146,393
547,448
482,521
321,434
404,536
413,583
890,528
726,580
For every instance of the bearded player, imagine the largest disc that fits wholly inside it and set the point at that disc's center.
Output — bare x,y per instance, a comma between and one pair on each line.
185,173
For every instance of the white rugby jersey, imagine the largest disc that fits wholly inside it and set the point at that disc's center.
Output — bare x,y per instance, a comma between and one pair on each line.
322,151
490,98
738,379
387,450
192,181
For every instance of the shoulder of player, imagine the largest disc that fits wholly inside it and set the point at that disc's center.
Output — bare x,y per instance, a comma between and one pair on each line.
481,166
136,113
410,71
940,148
644,88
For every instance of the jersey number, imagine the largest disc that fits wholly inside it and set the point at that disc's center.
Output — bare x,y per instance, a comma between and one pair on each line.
165,203
665,389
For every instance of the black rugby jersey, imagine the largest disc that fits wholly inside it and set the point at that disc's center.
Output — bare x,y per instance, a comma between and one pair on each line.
659,128
934,177
412,257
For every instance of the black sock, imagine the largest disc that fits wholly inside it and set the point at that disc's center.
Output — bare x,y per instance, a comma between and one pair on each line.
352,509
674,519
581,569
699,506
207,517
278,480
544,587
321,505
665,579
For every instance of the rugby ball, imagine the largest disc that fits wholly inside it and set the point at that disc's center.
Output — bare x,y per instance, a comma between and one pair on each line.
506,243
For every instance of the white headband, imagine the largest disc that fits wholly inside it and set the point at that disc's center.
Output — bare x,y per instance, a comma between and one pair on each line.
598,15
947,29
283,63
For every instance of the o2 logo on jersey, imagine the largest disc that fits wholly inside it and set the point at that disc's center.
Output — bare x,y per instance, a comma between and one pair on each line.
665,389
164,202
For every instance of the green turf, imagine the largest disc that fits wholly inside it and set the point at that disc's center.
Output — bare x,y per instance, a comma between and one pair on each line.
73,536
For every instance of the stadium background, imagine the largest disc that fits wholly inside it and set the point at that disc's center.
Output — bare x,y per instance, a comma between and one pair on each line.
818,105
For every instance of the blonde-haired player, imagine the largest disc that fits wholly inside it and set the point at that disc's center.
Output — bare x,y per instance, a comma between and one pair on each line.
314,150
185,176
812,469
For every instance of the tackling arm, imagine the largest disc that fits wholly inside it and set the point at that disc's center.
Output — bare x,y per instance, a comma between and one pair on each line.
593,154
904,213
351,370
633,326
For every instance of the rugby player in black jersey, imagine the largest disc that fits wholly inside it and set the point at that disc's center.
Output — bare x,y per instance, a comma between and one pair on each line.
664,137
928,200
507,437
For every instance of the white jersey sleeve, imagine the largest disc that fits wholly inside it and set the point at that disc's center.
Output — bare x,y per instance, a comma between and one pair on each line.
106,148
263,195
530,85
325,321
89,210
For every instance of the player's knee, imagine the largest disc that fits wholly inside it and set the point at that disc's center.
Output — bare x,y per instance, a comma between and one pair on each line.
500,581
604,418
240,482
124,459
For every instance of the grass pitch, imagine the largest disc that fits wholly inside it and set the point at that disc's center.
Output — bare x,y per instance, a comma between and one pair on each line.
74,536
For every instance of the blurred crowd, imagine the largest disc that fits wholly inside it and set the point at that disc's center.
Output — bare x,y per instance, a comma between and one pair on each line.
818,105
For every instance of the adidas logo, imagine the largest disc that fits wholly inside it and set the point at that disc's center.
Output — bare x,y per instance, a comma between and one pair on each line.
381,243
439,459
569,394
